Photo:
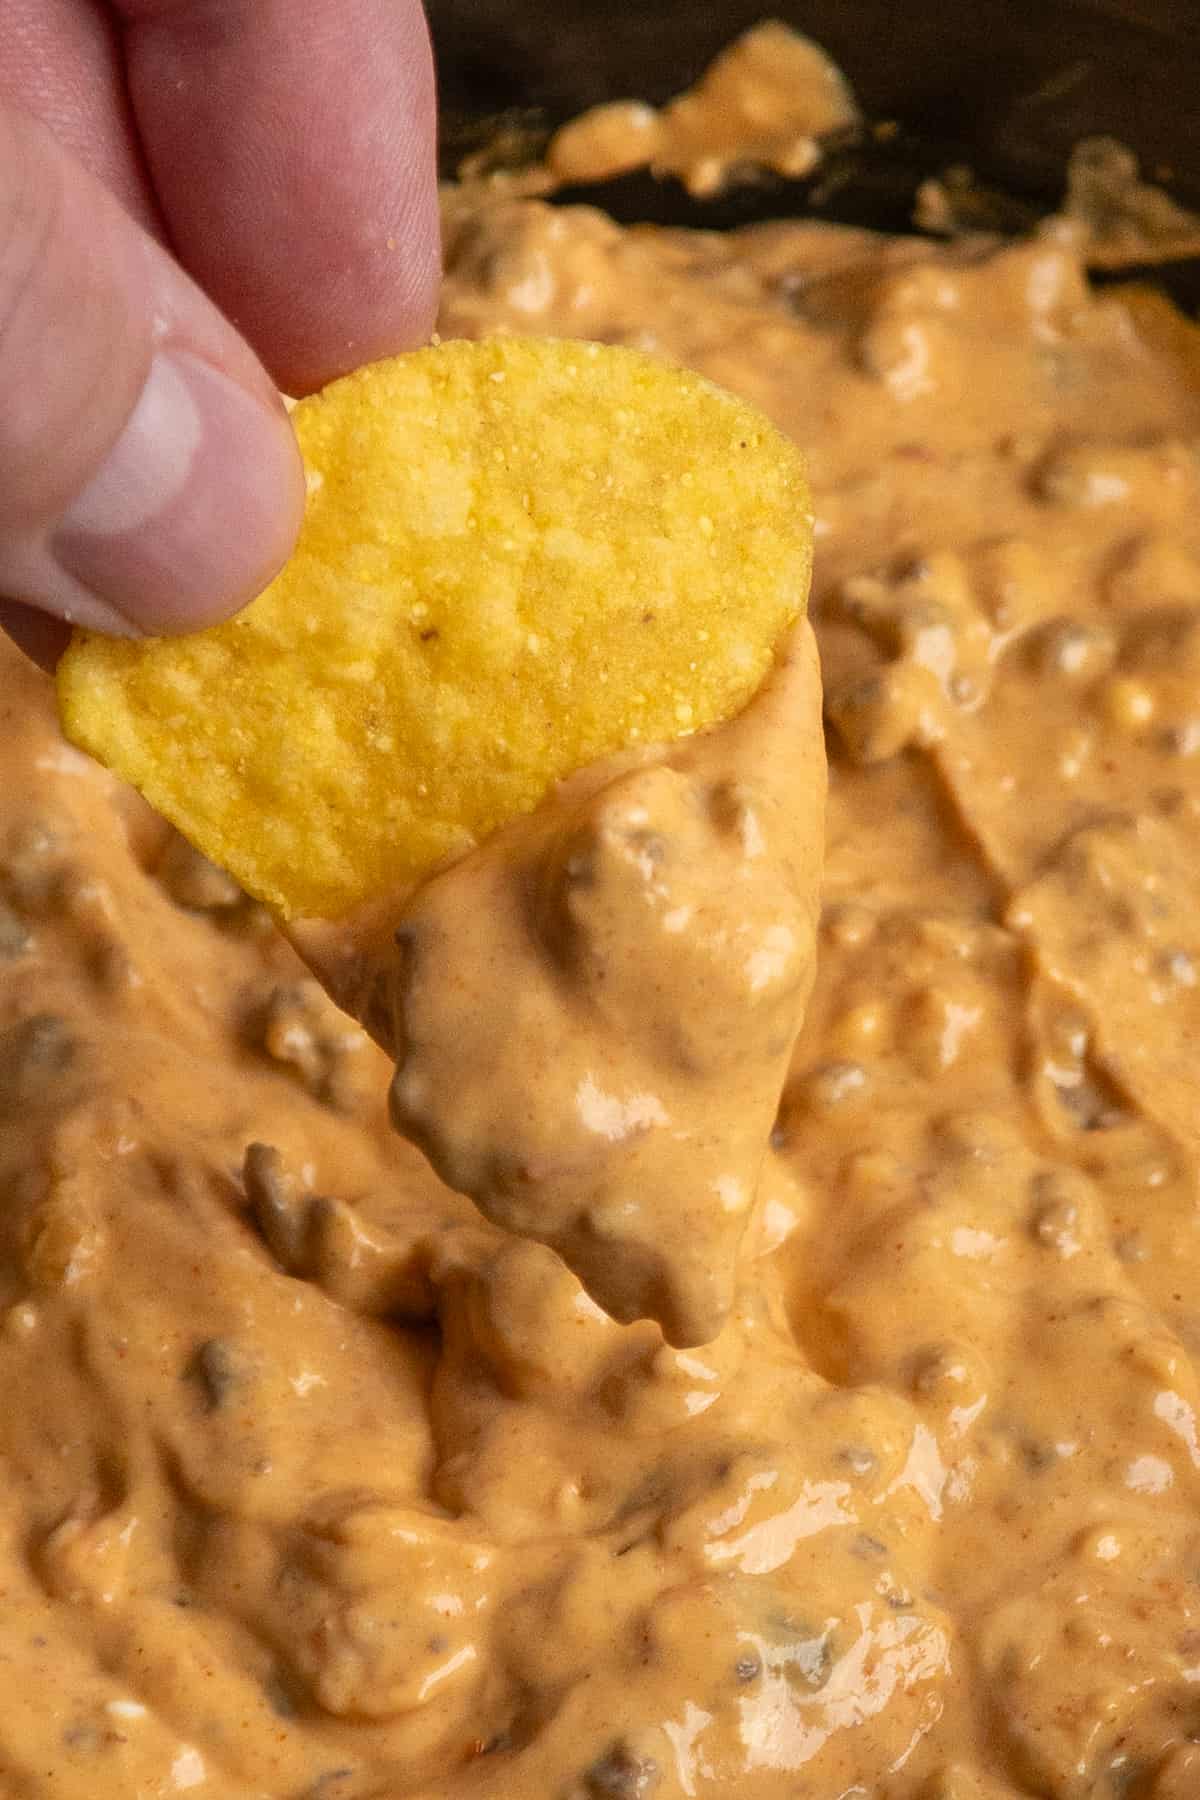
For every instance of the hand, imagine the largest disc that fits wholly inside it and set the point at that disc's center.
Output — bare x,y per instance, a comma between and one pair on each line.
200,200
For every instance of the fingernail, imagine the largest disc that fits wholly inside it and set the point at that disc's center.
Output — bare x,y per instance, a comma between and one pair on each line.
194,509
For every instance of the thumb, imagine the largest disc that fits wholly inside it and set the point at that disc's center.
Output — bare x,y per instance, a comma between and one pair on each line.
149,478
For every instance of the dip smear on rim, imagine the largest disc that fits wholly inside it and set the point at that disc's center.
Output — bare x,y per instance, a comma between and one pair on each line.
316,1485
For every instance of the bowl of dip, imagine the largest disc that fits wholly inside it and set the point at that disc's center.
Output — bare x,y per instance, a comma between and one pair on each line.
319,1487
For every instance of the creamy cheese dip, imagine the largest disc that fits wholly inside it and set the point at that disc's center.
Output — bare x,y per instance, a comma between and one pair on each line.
315,1484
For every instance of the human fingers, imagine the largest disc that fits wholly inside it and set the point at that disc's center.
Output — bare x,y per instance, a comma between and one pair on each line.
62,61
291,144
149,479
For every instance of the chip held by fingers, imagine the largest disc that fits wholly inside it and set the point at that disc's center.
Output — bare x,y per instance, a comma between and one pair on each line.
518,556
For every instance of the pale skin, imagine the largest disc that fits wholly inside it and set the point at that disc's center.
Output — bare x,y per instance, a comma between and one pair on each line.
202,202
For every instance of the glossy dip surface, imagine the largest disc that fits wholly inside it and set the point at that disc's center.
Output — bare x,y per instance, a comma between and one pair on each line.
314,1484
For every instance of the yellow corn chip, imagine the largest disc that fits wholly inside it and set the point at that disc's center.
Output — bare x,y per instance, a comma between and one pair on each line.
1160,323
517,556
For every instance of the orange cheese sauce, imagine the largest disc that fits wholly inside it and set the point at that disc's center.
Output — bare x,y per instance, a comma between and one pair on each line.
315,1485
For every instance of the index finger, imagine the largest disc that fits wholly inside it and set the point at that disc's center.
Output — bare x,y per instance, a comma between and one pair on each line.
291,144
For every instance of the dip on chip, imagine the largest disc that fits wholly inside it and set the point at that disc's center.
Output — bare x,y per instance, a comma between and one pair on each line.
518,556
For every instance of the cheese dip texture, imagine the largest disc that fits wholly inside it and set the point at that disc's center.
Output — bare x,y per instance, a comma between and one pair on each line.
314,1485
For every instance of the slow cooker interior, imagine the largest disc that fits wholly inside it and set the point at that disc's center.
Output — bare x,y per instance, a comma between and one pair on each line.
1004,86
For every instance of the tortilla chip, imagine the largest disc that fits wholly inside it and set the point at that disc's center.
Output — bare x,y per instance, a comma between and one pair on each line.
518,556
